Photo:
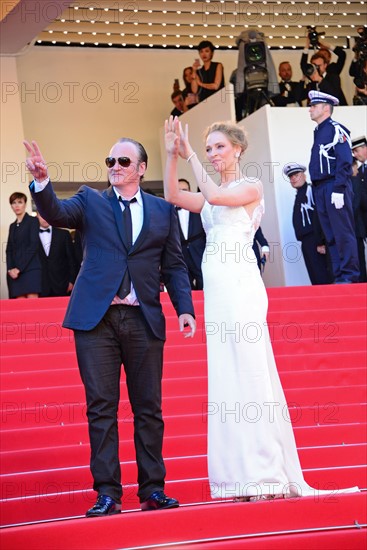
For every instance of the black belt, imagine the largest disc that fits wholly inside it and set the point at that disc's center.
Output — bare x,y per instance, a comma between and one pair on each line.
124,306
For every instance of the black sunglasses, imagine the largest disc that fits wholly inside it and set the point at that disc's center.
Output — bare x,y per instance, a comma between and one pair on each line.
123,161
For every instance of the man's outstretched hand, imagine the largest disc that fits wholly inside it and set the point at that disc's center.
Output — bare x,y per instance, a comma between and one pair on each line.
35,162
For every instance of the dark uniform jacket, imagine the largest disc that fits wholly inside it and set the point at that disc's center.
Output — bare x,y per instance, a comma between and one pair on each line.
331,155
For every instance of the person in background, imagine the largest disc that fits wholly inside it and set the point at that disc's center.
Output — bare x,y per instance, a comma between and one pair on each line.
130,240
290,91
330,170
57,260
193,240
179,103
325,77
190,98
22,252
358,67
208,78
307,227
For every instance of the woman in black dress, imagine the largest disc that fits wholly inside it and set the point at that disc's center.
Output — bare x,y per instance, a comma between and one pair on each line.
22,252
209,78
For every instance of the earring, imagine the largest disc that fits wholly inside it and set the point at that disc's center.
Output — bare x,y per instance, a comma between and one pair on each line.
237,155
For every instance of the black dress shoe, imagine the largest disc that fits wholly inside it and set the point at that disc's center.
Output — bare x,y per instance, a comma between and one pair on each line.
159,501
105,506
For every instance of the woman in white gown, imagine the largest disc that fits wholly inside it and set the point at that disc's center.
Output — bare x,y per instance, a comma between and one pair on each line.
252,452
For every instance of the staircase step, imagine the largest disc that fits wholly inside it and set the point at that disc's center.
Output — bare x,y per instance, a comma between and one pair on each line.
321,462
206,522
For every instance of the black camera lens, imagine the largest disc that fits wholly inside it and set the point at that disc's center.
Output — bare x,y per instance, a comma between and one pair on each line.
310,69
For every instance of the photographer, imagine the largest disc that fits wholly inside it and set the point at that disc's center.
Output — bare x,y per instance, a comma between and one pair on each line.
323,75
358,67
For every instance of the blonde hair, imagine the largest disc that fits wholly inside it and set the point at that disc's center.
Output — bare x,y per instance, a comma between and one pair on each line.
234,133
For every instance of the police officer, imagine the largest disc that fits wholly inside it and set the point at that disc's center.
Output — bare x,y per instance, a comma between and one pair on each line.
330,169
307,227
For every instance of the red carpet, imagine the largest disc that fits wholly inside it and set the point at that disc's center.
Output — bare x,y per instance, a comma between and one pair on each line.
319,338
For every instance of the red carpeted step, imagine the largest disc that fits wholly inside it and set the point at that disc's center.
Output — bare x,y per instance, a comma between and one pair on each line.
15,415
191,370
42,501
327,539
205,522
325,423
279,325
175,445
39,397
322,462
197,350
285,362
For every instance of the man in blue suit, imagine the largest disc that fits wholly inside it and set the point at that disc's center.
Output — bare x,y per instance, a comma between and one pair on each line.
130,240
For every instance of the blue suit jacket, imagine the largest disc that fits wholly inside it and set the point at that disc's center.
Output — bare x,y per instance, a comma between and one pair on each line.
155,254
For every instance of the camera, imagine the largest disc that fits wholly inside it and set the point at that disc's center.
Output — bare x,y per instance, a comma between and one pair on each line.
313,36
255,79
255,53
360,46
310,70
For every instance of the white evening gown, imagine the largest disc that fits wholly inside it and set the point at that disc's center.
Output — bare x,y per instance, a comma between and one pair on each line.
251,446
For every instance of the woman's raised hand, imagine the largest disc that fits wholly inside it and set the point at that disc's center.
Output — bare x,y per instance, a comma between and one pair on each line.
176,138
35,162
171,136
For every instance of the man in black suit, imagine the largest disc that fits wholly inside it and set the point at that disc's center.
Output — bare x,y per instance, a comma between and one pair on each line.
290,91
57,260
130,240
193,240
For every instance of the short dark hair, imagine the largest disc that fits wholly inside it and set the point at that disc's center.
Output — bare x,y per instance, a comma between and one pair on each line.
142,154
184,180
17,195
176,94
206,44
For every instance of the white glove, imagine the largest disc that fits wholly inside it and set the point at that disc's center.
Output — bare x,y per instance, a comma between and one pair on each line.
337,199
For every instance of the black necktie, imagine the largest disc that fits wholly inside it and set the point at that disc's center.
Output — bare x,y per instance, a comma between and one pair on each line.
177,208
125,286
45,230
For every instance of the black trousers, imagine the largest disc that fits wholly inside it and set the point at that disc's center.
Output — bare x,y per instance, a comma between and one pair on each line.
123,336
316,264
